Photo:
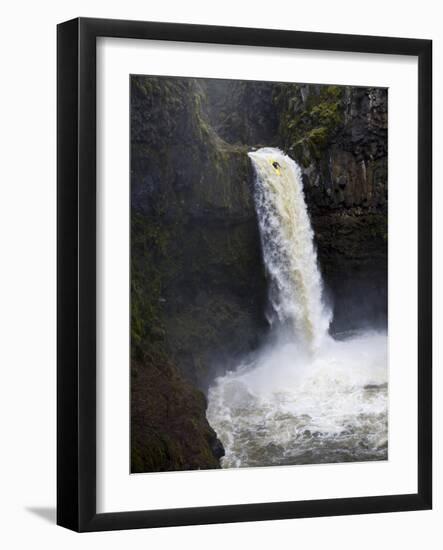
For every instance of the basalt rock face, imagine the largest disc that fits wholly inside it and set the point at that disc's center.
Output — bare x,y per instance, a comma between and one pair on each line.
198,287
197,282
194,192
338,135
169,430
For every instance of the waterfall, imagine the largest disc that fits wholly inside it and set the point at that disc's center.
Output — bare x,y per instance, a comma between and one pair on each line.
308,398
295,288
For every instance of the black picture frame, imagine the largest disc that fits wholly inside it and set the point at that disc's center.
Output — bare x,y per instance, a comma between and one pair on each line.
76,266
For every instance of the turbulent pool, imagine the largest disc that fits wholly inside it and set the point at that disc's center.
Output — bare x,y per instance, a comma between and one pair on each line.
290,407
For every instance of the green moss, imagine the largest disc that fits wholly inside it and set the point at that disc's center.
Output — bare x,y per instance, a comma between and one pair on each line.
148,245
157,452
309,123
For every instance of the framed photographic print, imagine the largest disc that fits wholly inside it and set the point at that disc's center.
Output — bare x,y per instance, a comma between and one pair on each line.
244,274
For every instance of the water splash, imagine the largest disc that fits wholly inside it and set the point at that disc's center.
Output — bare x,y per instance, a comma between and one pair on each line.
285,406
295,290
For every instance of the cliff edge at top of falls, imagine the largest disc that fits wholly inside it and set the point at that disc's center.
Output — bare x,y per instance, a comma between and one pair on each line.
198,287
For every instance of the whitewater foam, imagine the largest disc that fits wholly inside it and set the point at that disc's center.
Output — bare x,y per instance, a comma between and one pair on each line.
286,406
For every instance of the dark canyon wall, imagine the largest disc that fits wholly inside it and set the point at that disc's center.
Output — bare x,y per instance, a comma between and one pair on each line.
198,287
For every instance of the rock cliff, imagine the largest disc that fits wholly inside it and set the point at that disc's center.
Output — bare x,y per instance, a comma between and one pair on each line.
198,289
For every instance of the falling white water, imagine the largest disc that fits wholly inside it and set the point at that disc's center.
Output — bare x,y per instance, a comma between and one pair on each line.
290,258
304,397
